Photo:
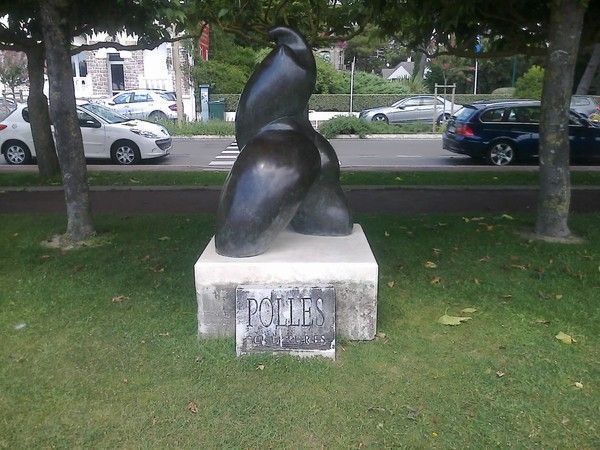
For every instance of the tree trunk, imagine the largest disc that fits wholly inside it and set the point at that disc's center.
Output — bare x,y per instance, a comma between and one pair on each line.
419,68
555,189
39,118
69,143
590,70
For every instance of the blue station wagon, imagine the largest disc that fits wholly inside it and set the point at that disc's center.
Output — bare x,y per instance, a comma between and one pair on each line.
501,133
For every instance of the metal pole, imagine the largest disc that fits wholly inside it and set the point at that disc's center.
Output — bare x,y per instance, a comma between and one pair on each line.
475,84
352,83
435,91
178,79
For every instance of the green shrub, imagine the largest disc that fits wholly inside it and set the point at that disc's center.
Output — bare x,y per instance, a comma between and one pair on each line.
353,125
221,76
212,127
530,84
344,125
504,91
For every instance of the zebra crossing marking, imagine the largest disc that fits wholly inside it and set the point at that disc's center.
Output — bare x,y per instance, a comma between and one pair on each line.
227,157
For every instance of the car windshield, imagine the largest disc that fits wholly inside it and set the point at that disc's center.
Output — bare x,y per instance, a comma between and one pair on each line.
105,113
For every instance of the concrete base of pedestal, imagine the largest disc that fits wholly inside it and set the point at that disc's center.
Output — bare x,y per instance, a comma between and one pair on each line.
345,262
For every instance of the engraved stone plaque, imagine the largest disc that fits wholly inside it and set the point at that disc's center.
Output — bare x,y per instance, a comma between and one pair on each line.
295,320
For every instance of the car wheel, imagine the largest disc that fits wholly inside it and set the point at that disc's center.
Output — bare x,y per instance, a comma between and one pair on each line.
501,153
157,116
380,118
443,118
16,153
125,153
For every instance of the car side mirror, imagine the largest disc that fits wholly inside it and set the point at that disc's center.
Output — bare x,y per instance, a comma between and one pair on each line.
91,124
401,107
111,103
584,122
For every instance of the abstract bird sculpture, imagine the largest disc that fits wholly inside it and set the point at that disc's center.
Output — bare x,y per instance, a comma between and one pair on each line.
286,173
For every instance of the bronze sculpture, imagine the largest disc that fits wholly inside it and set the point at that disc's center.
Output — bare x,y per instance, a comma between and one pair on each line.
286,173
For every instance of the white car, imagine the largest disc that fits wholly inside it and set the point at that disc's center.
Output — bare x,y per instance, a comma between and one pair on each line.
144,104
105,135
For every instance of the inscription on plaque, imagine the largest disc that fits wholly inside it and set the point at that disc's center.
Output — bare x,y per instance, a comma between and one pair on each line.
296,320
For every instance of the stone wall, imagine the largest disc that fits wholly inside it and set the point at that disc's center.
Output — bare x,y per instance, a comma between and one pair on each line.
98,71
133,67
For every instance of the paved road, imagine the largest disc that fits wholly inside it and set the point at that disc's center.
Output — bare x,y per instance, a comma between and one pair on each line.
374,153
220,153
353,153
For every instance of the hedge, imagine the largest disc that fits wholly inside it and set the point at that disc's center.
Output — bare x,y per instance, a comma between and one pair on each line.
341,102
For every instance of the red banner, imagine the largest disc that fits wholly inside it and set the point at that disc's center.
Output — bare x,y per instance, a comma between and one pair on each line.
203,43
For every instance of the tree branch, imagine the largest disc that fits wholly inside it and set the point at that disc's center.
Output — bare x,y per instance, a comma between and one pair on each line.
148,46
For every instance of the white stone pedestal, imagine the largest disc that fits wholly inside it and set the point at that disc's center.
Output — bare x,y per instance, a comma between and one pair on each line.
346,263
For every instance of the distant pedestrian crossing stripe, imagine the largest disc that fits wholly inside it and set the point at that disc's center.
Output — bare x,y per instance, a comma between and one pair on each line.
227,157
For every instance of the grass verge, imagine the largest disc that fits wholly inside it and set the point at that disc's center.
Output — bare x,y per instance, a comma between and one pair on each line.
99,345
349,178
212,127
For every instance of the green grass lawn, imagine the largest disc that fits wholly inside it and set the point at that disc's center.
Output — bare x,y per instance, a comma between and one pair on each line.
348,178
99,345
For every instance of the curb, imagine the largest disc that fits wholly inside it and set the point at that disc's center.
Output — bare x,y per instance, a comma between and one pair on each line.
419,136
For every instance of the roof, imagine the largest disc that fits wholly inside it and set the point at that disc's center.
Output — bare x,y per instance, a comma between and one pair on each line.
402,70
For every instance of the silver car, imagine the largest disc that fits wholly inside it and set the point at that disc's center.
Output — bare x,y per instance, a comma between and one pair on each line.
419,108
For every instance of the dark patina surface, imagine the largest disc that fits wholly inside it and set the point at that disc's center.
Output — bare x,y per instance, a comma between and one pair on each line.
287,173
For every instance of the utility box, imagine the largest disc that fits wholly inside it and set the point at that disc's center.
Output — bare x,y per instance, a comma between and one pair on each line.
216,109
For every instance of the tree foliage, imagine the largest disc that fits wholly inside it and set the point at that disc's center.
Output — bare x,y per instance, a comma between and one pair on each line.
13,69
530,84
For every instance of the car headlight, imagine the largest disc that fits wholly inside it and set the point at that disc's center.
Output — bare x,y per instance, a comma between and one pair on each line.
146,134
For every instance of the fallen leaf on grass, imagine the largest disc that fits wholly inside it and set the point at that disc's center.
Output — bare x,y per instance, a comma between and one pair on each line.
506,216
500,374
558,296
386,234
476,281
579,385
164,238
518,266
133,180
391,284
468,310
119,298
565,338
167,334
430,265
485,259
45,256
380,336
542,321
398,179
436,251
157,269
452,320
192,407
260,367
436,280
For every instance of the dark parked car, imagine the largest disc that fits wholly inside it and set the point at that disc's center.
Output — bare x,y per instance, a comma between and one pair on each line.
585,104
503,132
